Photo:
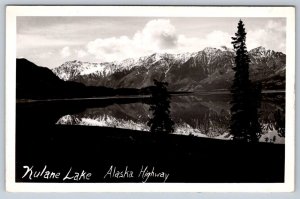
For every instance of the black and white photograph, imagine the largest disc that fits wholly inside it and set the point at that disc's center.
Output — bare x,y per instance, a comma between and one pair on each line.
194,98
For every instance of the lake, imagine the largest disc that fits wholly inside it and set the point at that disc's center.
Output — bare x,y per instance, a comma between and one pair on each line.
65,133
201,115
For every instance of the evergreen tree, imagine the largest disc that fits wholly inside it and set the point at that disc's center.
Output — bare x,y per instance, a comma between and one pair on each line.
160,108
254,103
245,96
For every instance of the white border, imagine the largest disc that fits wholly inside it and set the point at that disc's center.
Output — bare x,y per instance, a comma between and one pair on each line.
148,11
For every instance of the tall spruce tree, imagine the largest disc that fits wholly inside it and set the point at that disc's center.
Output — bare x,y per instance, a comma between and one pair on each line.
245,96
160,108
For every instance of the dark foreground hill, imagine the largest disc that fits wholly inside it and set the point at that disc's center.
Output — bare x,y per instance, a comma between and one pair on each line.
36,82
184,158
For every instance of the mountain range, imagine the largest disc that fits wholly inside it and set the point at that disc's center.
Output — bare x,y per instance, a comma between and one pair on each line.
209,69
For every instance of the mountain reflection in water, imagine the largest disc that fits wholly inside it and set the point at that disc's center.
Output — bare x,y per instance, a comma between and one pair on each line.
194,115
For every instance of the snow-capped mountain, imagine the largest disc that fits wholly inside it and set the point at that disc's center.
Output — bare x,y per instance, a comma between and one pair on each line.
72,69
208,69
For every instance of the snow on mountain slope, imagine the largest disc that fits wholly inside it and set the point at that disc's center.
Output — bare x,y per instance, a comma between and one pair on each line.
210,68
71,69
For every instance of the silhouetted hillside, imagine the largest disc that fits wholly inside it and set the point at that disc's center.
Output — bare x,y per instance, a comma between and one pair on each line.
36,82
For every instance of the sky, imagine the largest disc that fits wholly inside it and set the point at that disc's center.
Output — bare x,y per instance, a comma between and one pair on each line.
51,41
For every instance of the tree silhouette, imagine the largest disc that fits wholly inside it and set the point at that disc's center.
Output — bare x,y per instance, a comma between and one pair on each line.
279,116
254,103
160,108
245,96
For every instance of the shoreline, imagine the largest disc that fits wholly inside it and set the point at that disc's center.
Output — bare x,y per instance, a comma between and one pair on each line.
121,97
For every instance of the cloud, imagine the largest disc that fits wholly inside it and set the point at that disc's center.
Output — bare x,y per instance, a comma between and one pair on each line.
110,48
272,36
41,43
65,52
81,53
45,55
157,36
25,41
214,39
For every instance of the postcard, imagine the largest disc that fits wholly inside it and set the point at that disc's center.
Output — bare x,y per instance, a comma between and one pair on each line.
150,99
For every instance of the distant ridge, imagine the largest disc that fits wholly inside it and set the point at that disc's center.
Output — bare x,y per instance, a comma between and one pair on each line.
209,69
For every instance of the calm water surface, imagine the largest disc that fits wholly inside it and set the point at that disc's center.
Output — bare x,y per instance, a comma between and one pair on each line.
194,115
